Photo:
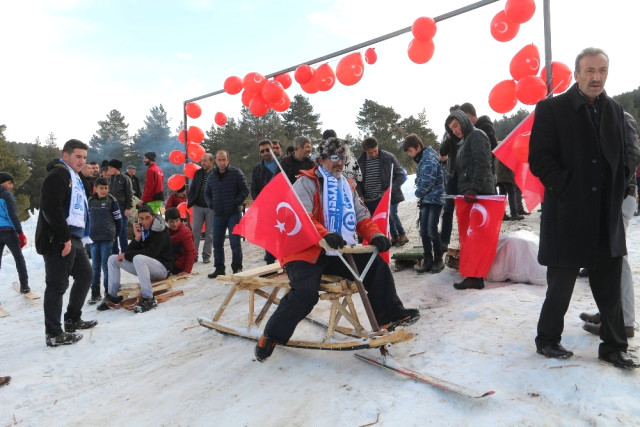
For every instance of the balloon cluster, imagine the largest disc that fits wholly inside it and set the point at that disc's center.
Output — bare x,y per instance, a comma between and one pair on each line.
506,24
258,94
526,85
421,47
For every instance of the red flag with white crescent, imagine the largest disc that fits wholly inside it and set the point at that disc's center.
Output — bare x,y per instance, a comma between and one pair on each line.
277,222
381,218
478,230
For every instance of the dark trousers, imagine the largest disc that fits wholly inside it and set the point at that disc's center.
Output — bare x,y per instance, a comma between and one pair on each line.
372,205
220,227
604,280
122,238
304,279
57,271
447,212
509,189
10,239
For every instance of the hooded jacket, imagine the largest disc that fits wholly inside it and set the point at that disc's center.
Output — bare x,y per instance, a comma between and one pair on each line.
473,160
429,177
157,245
8,212
184,251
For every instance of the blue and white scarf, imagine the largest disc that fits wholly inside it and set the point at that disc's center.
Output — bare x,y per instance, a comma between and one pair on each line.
339,212
78,206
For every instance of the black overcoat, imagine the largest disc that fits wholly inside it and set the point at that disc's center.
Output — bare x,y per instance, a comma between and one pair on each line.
580,168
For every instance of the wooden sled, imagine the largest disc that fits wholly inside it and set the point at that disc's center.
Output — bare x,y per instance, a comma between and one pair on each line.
337,290
29,295
161,296
408,258
131,290
452,258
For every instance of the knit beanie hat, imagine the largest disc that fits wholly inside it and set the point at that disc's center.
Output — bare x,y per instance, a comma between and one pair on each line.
5,176
115,163
151,156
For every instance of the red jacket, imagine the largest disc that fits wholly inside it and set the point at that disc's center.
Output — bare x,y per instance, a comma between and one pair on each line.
153,184
174,200
365,227
184,251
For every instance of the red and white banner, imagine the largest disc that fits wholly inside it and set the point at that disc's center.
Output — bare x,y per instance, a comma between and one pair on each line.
277,222
478,230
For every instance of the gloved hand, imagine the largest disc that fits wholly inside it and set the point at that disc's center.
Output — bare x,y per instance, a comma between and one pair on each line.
23,240
335,240
381,242
470,196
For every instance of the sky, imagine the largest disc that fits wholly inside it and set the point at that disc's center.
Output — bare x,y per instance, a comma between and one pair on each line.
67,63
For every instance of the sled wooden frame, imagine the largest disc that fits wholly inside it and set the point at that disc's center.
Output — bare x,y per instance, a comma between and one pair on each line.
337,290
132,290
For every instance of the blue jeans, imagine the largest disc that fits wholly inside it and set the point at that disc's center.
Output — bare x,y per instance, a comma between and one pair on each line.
447,211
394,222
124,241
429,218
100,251
220,227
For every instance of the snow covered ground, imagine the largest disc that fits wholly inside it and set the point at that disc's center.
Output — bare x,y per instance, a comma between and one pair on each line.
162,368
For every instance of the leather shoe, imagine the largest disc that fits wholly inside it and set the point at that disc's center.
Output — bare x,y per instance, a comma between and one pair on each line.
591,318
620,359
470,283
555,351
595,329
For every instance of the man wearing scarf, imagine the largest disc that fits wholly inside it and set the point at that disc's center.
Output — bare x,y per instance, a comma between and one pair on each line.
337,213
62,228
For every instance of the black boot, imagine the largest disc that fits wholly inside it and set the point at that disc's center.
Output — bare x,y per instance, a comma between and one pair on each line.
219,271
95,296
427,263
236,268
24,288
470,283
264,348
438,265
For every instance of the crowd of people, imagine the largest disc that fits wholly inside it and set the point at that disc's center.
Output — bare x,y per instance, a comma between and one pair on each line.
583,149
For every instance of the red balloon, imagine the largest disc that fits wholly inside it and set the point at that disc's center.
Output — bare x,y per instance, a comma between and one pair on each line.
177,157
303,74
520,147
370,56
502,97
195,134
182,208
525,63
193,110
283,104
247,97
420,51
176,182
324,77
258,106
424,28
531,89
310,87
181,136
520,11
350,69
503,29
254,82
195,151
190,169
220,119
561,76
272,91
233,85
284,79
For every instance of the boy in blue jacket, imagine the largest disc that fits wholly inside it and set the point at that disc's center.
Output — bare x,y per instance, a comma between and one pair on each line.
11,233
105,221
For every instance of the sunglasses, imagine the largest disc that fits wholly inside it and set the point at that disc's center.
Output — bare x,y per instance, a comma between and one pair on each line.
265,150
335,158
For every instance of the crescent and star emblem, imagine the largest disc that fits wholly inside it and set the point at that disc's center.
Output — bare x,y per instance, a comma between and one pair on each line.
483,211
281,225
381,215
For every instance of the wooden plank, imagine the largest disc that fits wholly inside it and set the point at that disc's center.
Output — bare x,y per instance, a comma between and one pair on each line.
133,289
267,304
257,271
224,304
3,312
355,249
168,295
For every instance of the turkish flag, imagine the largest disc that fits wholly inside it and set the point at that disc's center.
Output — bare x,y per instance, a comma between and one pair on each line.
277,222
478,232
381,218
514,153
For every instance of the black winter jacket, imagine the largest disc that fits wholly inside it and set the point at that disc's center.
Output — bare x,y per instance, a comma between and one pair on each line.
225,193
105,219
386,160
260,176
194,188
157,245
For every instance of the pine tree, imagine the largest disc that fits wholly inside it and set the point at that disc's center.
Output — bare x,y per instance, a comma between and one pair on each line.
111,139
299,120
18,168
40,154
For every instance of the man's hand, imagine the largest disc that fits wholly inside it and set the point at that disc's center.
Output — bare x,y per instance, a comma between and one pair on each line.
381,242
127,212
470,196
334,240
120,257
137,231
139,205
66,248
23,240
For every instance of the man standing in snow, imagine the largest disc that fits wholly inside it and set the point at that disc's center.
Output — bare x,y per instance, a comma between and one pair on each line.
11,233
577,149
153,194
62,225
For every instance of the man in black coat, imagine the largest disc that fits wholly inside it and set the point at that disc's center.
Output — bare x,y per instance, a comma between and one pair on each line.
577,149
225,193
261,175
201,214
61,227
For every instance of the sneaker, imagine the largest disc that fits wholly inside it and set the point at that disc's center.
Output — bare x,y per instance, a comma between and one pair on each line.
24,288
594,328
236,268
71,326
206,260
394,240
590,318
145,304
470,283
217,272
264,348
402,240
402,317
438,266
95,297
64,338
4,381
109,303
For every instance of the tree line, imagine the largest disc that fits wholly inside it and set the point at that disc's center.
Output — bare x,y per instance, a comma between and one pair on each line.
27,161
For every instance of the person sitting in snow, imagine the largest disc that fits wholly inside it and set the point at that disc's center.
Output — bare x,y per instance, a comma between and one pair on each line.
306,268
184,251
149,256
